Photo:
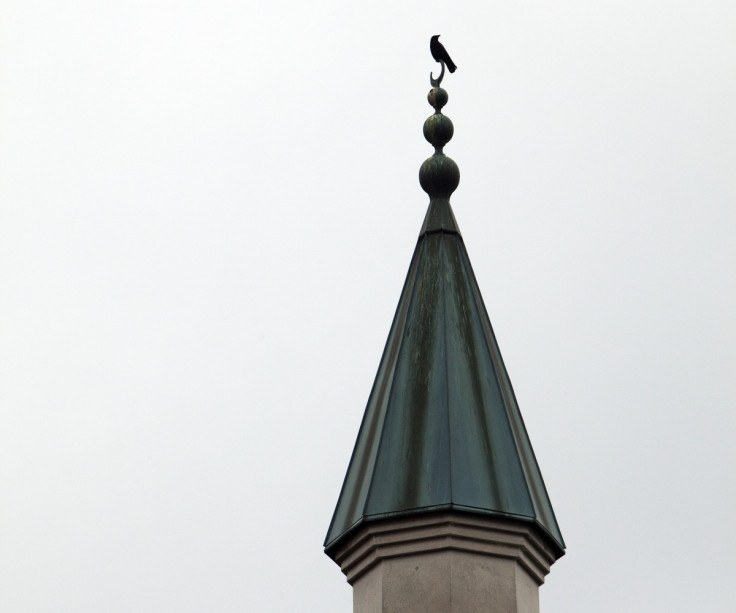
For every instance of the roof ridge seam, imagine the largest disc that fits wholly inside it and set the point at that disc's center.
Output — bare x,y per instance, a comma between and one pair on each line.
504,385
447,376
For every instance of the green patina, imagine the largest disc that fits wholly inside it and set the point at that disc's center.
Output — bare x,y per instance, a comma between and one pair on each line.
442,429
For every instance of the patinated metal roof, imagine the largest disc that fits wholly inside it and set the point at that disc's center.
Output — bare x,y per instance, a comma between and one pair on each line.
442,428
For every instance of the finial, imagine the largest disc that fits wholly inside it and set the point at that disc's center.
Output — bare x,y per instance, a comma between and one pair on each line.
436,82
439,176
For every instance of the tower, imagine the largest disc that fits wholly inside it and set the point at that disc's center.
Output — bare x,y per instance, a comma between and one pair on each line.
443,508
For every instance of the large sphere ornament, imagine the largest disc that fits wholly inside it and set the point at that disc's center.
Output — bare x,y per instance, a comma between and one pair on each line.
439,176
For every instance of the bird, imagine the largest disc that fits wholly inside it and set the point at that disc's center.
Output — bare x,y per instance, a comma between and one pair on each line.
440,54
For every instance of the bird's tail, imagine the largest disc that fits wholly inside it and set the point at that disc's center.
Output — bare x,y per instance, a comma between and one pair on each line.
451,65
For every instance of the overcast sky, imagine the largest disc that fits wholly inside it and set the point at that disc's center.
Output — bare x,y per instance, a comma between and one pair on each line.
207,211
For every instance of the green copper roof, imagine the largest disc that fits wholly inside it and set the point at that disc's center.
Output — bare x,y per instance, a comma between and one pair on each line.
442,429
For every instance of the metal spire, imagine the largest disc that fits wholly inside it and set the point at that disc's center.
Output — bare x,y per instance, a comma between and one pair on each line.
442,430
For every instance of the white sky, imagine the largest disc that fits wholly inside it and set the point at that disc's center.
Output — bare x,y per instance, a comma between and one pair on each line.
206,214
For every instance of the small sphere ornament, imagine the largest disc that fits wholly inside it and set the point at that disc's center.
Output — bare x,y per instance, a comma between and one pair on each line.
437,97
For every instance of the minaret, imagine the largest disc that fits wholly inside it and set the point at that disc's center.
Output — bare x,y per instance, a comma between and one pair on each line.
443,508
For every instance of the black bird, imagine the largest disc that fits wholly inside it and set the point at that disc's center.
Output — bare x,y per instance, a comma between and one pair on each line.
440,54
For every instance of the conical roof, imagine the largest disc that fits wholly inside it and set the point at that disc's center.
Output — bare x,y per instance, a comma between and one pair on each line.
442,429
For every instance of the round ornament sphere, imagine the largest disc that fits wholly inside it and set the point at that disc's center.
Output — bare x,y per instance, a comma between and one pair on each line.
438,129
439,176
437,97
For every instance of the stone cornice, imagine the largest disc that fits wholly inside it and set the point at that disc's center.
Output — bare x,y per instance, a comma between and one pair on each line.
432,532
